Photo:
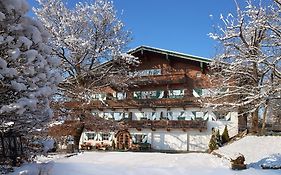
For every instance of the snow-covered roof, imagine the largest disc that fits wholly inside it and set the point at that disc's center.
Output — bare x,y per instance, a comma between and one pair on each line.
170,53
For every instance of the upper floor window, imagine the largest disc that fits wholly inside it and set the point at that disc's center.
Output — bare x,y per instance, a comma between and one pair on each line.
199,92
108,115
176,115
148,116
199,115
118,115
120,95
147,72
179,93
198,74
100,96
148,94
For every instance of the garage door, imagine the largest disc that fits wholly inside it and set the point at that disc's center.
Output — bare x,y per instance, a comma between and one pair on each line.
169,141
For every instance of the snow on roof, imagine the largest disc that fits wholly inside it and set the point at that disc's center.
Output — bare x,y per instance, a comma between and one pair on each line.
170,53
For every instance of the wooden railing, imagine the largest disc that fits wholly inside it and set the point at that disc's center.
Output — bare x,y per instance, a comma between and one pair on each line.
168,124
132,103
159,79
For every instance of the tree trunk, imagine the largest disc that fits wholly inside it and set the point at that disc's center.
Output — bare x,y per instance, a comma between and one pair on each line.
264,118
255,122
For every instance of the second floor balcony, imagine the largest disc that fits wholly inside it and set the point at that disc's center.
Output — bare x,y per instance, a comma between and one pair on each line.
133,103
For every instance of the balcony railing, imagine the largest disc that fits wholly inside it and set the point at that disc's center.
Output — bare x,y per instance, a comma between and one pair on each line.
133,103
159,79
167,124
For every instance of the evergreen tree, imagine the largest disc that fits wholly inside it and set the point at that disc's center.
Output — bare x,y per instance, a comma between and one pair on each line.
218,137
213,143
225,135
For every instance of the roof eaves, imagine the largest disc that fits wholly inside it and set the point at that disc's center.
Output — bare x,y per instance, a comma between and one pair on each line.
170,53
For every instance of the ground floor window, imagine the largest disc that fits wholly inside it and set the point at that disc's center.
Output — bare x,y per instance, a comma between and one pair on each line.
105,136
220,115
139,138
90,136
98,136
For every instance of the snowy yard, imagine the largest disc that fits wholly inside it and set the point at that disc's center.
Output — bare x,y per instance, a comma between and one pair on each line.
128,163
257,150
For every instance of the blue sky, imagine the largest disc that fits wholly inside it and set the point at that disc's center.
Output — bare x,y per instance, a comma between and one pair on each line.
178,25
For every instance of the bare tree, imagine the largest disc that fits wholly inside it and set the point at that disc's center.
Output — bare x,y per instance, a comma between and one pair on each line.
83,38
248,69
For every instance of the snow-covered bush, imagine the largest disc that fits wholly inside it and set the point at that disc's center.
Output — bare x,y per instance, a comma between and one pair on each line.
27,71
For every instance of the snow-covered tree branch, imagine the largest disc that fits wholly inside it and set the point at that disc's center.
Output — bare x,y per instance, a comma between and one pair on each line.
27,76
83,38
249,66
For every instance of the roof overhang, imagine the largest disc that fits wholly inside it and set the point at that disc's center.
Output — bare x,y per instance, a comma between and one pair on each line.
169,53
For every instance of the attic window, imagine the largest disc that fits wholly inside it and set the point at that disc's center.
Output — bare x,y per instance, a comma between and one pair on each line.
198,74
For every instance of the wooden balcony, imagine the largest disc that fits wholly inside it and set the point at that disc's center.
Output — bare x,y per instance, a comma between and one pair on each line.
159,80
133,103
168,124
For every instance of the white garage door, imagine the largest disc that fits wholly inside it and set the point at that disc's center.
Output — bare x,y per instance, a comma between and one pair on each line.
169,141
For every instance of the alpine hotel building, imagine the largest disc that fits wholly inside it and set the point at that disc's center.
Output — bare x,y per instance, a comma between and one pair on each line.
161,106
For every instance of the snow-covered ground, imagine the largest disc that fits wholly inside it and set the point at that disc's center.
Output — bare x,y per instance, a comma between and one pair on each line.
127,163
254,148
257,151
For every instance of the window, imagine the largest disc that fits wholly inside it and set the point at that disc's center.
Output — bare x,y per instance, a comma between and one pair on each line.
199,115
139,138
197,92
90,136
163,116
148,116
98,96
118,115
220,115
177,115
148,94
120,95
105,136
178,93
108,115
149,72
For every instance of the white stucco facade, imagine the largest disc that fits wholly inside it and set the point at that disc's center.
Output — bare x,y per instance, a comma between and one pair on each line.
174,139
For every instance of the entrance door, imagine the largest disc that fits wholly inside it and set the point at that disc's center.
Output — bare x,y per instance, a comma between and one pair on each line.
123,139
